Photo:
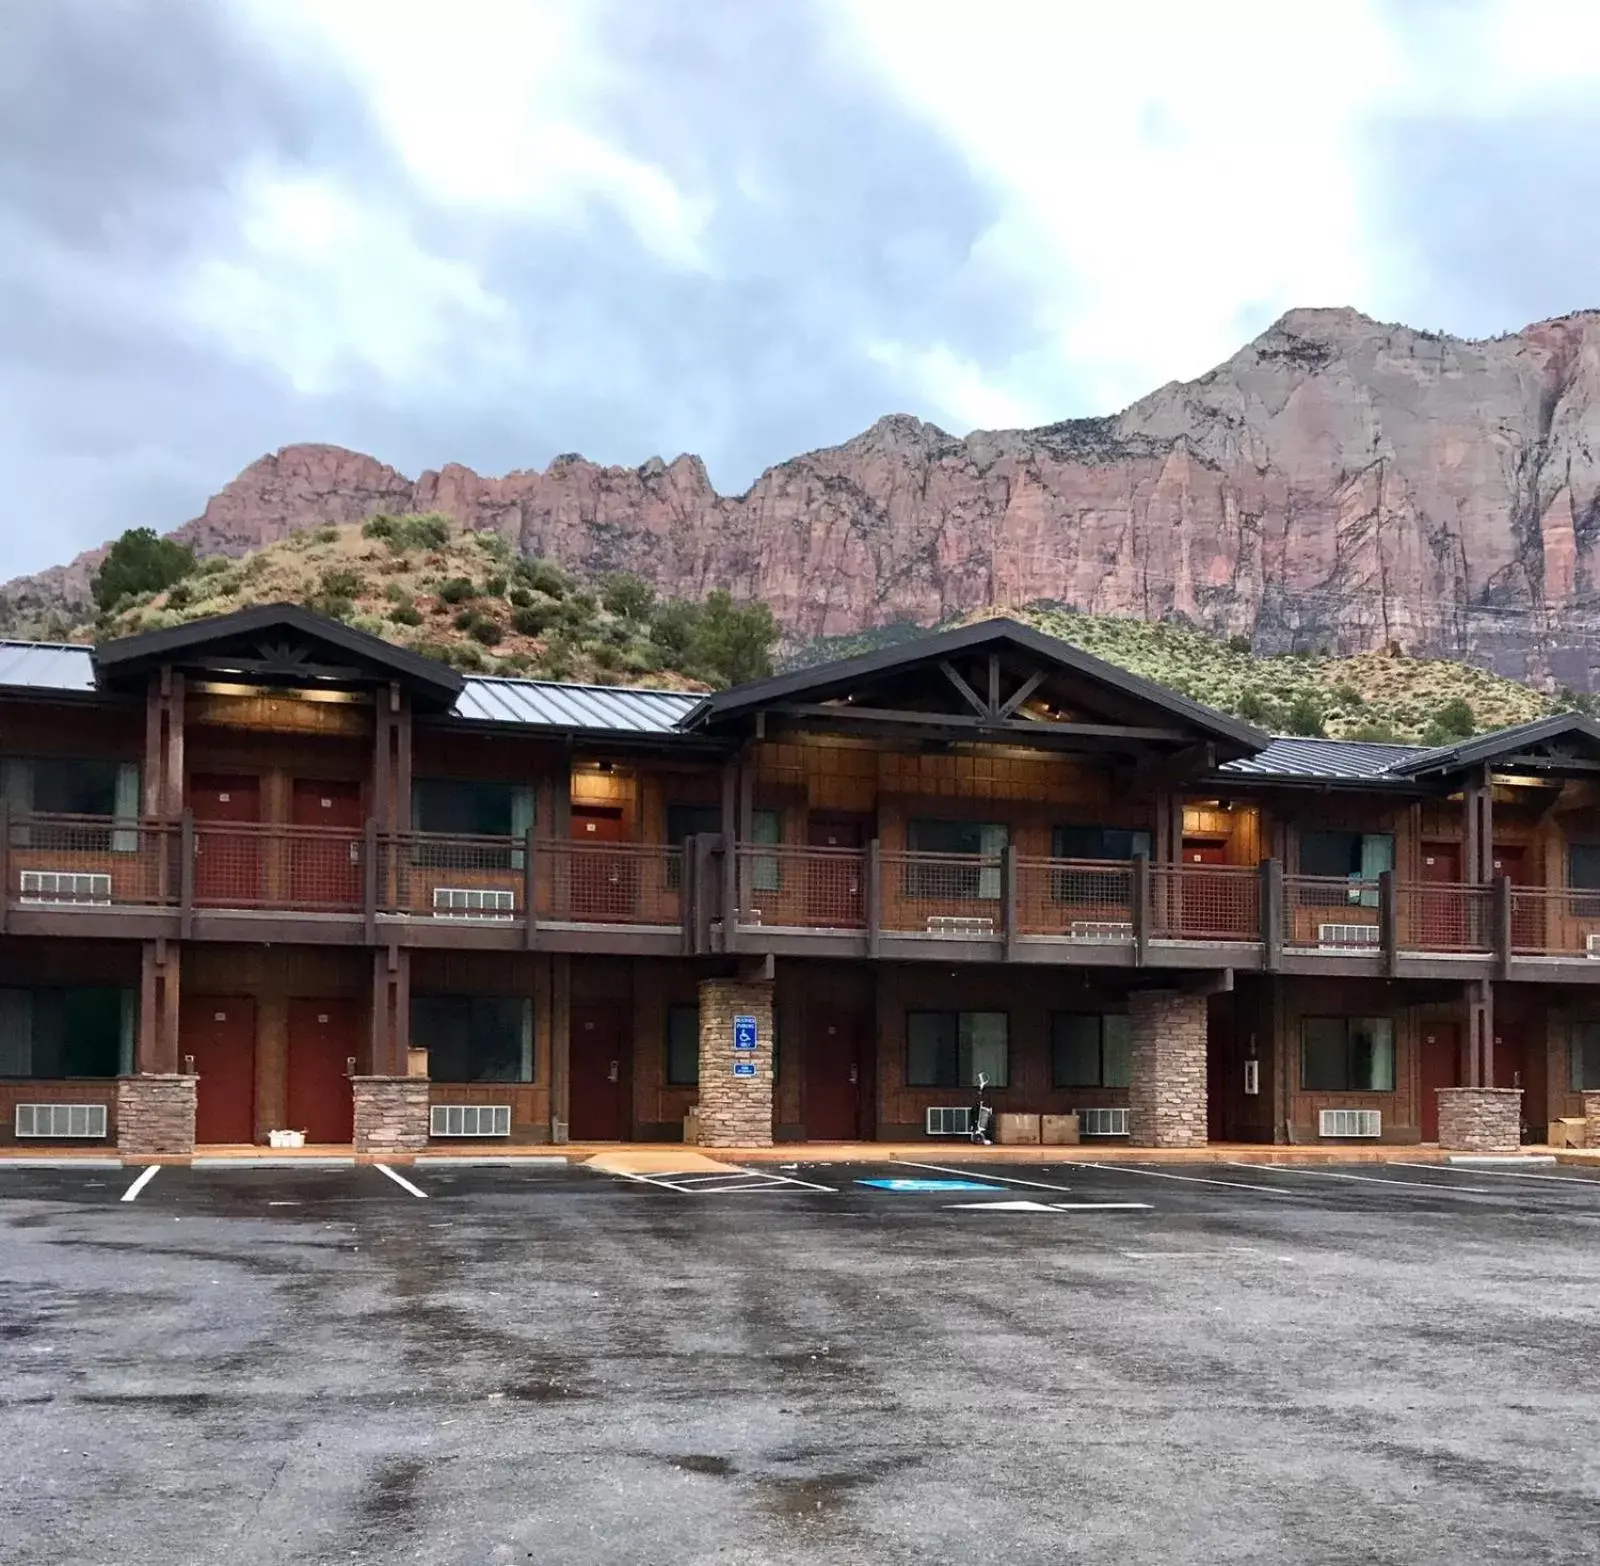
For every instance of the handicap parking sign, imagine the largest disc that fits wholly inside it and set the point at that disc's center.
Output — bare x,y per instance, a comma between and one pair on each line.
744,1033
744,1068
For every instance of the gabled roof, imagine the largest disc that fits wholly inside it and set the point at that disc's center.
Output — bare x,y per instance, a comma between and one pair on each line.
47,666
614,709
1504,744
1324,760
829,682
249,633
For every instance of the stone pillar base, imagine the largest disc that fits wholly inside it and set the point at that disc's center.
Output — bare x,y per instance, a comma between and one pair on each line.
735,1111
1480,1119
391,1114
155,1115
1591,1113
1167,1093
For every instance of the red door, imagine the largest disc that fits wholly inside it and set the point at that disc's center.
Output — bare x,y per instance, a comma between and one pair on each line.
219,1032
227,865
604,878
1527,922
833,1078
325,864
1441,909
1520,1062
598,1074
1206,909
833,881
323,1036
1440,1067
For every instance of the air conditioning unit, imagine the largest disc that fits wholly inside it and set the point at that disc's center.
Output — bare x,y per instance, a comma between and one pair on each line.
961,927
1591,945
469,1120
1102,1122
1350,1122
1347,935
61,1122
473,902
950,1121
66,886
1100,930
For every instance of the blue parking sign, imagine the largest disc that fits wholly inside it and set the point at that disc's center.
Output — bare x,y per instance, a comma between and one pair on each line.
744,1068
744,1033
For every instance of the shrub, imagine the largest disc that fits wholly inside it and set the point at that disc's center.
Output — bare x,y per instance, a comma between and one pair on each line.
543,576
494,587
532,619
406,614
1456,719
519,597
1240,644
1304,716
466,655
326,534
430,530
457,590
1375,732
1348,697
215,566
486,629
139,562
1253,707
464,618
628,595
493,544
341,582
180,595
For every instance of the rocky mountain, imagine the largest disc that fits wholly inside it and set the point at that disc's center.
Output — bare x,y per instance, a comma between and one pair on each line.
1337,484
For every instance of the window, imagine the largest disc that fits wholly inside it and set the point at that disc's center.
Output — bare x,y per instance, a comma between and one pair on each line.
1347,1055
1351,856
684,822
73,786
460,808
1583,1057
1090,1050
984,841
683,1046
1583,872
950,1048
766,870
86,1031
1093,842
475,1038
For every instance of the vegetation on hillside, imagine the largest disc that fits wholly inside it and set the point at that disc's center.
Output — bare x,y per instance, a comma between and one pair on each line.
464,597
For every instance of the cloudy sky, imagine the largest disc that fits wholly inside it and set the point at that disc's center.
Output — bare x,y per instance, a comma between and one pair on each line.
490,231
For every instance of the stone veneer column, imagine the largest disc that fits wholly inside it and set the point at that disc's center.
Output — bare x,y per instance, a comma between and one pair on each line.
1480,1119
1591,1114
1167,1093
735,1111
155,1115
391,1114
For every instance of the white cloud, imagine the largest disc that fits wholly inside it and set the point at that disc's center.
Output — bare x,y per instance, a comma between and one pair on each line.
959,395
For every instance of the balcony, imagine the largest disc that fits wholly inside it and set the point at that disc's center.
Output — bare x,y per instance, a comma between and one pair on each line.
97,876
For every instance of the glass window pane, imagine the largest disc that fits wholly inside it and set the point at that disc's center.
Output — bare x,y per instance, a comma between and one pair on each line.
931,1049
1330,853
1075,1049
983,1048
91,1032
1323,1064
470,809
1583,865
766,826
1371,1054
74,786
475,1038
691,821
16,1033
683,1046
1117,1049
1583,1056
1093,842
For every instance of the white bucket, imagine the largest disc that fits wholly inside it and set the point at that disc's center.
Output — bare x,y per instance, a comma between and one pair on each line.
286,1139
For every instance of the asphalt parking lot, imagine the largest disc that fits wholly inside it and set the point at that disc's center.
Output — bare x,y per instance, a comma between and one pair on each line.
496,1364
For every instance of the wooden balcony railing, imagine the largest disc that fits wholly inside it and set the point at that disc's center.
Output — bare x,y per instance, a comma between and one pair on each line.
64,863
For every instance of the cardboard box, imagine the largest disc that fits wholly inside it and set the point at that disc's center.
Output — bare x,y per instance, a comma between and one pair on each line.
1016,1130
1569,1132
1058,1130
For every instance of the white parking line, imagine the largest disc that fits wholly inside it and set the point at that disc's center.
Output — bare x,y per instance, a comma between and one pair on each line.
1333,1174
1166,1174
1500,1174
138,1185
970,1173
401,1181
728,1184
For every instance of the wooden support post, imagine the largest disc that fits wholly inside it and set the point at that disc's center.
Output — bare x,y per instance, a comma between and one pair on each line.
705,889
872,896
147,1038
1141,909
187,845
5,862
1388,921
689,895
1502,925
1008,899
561,1046
1480,1034
169,1006
1271,898
730,892
530,889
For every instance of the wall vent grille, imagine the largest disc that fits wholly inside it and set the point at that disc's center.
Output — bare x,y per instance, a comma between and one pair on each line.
469,1120
61,1122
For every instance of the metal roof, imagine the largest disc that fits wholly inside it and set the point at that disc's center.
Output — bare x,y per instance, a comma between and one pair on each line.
52,666
618,709
1348,761
1499,743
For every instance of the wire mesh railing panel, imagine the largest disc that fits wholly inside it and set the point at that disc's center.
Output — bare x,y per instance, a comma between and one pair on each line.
616,883
1444,917
1555,921
1205,903
295,868
1330,913
88,861
1081,899
802,888
952,895
450,876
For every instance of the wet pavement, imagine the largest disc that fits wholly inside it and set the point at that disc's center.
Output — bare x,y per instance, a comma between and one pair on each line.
1129,1364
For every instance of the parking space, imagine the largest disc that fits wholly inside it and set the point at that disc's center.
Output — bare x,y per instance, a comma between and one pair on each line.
799,1363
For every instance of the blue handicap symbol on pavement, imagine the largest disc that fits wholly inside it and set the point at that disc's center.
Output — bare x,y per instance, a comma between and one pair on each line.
929,1185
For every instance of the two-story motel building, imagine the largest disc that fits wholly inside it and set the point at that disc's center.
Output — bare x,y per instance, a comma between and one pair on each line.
265,871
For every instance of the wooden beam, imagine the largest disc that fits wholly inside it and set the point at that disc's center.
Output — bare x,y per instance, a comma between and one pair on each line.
970,696
1028,730
993,706
1022,693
